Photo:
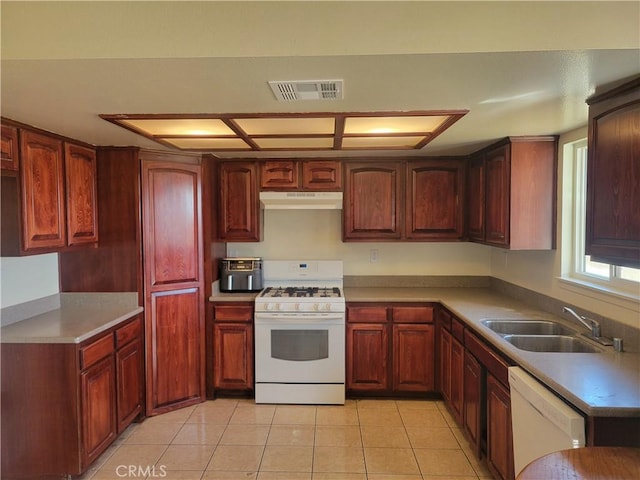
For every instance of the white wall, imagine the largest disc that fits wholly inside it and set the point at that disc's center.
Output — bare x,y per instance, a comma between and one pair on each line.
316,234
23,279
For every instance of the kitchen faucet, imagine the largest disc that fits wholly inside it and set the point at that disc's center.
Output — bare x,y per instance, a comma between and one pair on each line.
591,324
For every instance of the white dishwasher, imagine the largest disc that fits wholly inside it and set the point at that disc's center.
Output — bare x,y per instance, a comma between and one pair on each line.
541,422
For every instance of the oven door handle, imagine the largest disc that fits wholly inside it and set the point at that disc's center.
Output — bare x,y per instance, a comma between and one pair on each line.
299,318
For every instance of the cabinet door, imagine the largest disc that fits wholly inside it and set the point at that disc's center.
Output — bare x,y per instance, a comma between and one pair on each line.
239,207
9,148
43,198
413,358
457,375
444,363
279,175
499,437
372,206
174,291
613,180
497,196
473,406
98,409
476,198
367,357
174,360
435,200
321,175
233,356
129,372
82,194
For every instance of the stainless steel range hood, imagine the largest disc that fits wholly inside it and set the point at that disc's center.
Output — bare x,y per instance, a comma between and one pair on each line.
301,200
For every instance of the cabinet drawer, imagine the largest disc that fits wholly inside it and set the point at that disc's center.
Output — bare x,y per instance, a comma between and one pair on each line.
487,357
129,332
96,351
412,314
444,319
369,314
457,329
233,313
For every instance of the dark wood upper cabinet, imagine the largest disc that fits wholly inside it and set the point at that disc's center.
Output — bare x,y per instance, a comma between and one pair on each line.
9,148
497,176
279,174
312,175
82,194
417,200
239,216
475,196
49,194
373,200
613,176
43,197
435,199
322,175
512,194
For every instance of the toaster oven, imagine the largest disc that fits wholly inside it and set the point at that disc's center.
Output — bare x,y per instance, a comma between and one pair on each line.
241,274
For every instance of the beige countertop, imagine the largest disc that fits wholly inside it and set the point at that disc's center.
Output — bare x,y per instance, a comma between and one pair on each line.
233,297
80,317
599,384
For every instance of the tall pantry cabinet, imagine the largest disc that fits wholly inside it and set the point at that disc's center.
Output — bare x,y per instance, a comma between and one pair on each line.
152,242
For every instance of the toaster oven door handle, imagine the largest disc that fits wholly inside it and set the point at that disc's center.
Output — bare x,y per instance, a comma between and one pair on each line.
230,282
250,282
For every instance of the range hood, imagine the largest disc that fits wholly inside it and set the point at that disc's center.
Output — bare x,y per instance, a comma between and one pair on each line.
301,200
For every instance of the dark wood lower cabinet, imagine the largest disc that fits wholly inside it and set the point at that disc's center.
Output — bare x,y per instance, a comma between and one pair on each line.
473,382
233,347
130,375
231,358
473,401
63,404
413,359
499,436
444,363
457,372
98,407
390,349
367,357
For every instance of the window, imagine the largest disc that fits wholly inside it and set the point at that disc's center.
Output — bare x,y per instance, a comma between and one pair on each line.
614,277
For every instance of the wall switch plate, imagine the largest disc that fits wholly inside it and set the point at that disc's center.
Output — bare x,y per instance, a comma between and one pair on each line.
373,255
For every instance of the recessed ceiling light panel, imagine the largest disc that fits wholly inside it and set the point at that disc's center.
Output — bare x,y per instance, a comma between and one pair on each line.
291,131
292,90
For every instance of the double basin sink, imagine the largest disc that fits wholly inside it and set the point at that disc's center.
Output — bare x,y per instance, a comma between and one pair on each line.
535,335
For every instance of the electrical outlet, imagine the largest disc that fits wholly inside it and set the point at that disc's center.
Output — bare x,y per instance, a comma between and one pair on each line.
373,255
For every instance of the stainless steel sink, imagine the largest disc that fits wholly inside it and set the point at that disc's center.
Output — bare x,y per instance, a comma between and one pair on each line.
527,327
551,343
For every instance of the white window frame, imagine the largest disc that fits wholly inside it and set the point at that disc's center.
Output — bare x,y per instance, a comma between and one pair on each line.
611,281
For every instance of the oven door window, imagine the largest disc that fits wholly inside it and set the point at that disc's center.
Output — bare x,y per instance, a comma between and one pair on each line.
299,345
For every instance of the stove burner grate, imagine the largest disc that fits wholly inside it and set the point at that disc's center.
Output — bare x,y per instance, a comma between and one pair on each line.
301,292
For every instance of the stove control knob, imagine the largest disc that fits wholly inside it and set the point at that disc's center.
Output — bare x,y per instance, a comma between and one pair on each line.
297,307
316,307
327,306
268,306
278,306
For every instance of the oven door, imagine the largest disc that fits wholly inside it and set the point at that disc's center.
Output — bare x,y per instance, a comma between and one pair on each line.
299,348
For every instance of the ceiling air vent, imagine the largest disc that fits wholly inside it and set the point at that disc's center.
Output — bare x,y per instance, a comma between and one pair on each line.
288,91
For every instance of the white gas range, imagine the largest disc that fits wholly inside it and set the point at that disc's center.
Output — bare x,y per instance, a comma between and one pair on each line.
300,333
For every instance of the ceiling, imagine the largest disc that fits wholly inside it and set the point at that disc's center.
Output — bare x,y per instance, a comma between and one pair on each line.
519,68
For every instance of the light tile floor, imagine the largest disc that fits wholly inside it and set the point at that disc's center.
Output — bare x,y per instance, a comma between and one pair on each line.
237,439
